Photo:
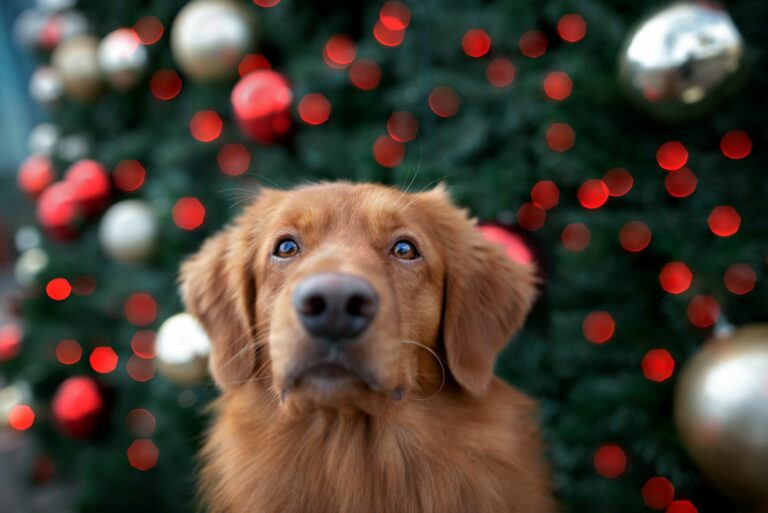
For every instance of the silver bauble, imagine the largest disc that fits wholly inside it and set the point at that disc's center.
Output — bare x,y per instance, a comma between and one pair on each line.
182,349
29,265
44,138
681,60
46,86
128,231
210,37
122,58
721,412
77,62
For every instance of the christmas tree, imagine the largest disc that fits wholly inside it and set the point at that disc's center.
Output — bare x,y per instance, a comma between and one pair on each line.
648,232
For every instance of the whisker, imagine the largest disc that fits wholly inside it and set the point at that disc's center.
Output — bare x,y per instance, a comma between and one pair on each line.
439,361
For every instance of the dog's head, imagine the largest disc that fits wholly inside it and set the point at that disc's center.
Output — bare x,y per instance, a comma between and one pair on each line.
341,295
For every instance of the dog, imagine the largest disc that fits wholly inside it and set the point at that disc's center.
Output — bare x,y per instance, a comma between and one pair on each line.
354,331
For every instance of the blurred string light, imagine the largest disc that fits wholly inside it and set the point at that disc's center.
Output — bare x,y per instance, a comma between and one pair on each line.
635,236
143,454
675,277
128,175
143,344
395,15
681,183
740,279
68,352
703,311
165,84
500,72
619,181
558,85
610,461
736,144
58,289
476,43
10,341
514,245
658,493
681,507
140,370
545,194
658,365
266,3
314,109
188,213
444,101
560,137
533,44
365,74
598,327
402,126
149,30
21,417
103,359
83,285
530,217
35,174
671,155
140,422
576,237
387,151
386,36
206,126
252,62
140,309
724,221
571,28
593,194
234,159
340,51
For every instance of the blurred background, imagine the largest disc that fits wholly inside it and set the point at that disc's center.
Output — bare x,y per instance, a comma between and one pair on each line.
616,144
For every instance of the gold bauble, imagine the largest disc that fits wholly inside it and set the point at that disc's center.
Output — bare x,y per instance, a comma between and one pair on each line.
721,412
182,349
77,62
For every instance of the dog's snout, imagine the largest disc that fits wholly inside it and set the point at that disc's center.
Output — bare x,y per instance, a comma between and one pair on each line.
335,306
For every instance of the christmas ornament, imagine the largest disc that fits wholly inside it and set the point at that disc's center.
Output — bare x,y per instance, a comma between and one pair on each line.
28,267
43,139
183,348
721,412
35,174
682,59
122,58
28,27
10,341
78,407
58,210
210,37
73,147
27,237
46,86
15,394
128,231
59,27
77,62
91,183
261,102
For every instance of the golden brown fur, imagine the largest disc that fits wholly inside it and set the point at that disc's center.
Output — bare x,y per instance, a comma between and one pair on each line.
415,433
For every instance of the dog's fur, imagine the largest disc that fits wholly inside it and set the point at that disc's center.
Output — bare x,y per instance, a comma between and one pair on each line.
412,434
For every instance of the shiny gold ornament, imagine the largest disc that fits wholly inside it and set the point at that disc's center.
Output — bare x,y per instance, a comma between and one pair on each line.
77,62
128,231
182,349
681,60
210,37
721,412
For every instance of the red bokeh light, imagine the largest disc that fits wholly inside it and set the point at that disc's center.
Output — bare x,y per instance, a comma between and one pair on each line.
68,352
266,3
140,370
531,217
140,309
149,29
165,84
671,155
129,175
234,159
619,181
634,236
143,455
252,62
658,493
261,102
476,42
10,341
572,28
680,183
724,221
681,507
21,417
444,101
658,365
558,85
83,285
140,422
386,36
206,126
500,72
103,359
58,289
533,44
675,277
593,194
576,237
513,244
35,174
188,213
598,327
143,344
740,279
703,311
736,144
387,151
560,137
58,210
545,194
610,461
91,184
402,126
340,51
365,74
314,109
77,405
395,15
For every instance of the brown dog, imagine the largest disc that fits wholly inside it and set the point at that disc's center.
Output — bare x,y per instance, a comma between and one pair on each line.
332,308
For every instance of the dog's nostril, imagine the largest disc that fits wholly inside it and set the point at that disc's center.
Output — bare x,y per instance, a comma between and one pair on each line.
313,305
359,306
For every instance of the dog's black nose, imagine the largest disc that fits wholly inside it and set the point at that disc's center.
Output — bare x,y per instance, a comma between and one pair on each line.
335,306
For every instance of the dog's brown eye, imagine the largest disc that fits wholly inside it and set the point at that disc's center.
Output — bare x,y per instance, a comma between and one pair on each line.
405,250
286,248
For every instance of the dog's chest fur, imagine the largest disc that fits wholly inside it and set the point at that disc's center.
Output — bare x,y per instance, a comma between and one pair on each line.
416,460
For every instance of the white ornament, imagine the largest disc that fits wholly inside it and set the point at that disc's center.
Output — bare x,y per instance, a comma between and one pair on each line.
46,86
28,266
128,231
27,237
122,58
43,139
77,62
183,348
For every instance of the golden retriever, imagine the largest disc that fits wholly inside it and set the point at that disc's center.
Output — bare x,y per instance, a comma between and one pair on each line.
354,332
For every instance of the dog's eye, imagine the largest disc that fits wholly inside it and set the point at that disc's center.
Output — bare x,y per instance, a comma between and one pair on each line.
405,250
286,248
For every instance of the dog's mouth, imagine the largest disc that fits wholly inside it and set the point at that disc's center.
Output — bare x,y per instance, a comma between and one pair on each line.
329,378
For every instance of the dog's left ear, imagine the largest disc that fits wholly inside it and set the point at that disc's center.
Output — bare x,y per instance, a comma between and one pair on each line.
487,297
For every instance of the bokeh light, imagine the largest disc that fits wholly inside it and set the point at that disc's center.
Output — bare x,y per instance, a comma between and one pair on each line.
545,194
395,15
35,174
165,84
514,245
143,344
635,236
234,159
68,352
149,29
682,507
387,151
593,194
500,72
675,277
658,365
340,51
576,237
619,181
266,3
83,285
206,126
139,369
402,126
10,341
314,109
128,175
558,85
658,493
598,327
143,454
724,221
736,144
386,36
58,289
21,417
681,183
610,461
560,137
571,28
252,62
103,359
476,43
671,155
740,279
444,101
703,311
188,213
140,423
365,74
140,309
530,217
533,44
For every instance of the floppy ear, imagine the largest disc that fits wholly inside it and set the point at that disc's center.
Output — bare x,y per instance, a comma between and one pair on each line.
487,297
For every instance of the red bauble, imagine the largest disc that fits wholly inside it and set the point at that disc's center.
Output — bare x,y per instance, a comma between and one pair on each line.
78,407
58,210
91,182
35,174
513,243
261,102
